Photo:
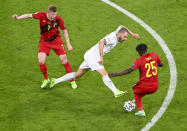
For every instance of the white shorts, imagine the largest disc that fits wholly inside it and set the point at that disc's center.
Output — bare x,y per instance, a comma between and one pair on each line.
91,61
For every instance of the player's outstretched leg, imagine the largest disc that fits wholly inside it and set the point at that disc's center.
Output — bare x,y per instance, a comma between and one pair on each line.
67,77
107,81
138,101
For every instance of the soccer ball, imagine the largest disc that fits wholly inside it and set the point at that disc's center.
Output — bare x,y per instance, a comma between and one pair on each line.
129,106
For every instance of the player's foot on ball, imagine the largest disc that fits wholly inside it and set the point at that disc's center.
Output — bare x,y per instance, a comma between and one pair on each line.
140,113
120,93
45,83
52,84
73,85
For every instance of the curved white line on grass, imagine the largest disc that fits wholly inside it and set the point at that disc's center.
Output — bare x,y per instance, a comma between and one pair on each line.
171,61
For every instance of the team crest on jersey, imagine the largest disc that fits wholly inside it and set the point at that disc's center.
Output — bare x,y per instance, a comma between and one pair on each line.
44,21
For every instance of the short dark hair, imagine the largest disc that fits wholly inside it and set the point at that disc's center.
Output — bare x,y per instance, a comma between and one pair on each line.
123,30
52,8
141,48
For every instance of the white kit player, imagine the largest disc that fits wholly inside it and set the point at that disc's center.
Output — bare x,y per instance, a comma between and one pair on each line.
93,59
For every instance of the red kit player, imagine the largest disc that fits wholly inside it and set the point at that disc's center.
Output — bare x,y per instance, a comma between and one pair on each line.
147,64
50,39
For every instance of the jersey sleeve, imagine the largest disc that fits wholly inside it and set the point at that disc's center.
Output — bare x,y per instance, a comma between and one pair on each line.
136,64
37,15
61,24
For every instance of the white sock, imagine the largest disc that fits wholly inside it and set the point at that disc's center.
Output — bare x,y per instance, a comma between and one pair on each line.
109,84
66,77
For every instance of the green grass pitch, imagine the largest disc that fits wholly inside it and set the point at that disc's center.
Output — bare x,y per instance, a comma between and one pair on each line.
24,106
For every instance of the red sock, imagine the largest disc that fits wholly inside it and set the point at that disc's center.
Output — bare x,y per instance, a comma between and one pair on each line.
138,101
43,69
68,69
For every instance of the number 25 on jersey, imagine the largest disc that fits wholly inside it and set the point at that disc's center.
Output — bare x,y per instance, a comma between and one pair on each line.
150,66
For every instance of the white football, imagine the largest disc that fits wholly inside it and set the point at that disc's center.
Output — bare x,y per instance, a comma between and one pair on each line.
129,106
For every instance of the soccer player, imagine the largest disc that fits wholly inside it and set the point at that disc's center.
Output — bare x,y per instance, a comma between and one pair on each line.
51,39
93,59
147,64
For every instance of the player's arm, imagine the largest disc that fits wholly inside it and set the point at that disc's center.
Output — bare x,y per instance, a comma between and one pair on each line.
24,16
66,36
160,64
124,72
101,46
136,36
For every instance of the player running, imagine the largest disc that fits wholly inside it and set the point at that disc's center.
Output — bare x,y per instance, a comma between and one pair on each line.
93,59
51,39
148,67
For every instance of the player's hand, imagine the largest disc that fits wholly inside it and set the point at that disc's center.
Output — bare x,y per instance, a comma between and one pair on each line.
15,16
111,74
101,61
136,36
70,48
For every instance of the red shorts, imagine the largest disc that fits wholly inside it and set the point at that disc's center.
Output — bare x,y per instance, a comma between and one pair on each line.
57,45
144,88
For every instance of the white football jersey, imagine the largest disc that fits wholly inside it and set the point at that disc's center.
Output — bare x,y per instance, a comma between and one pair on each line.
111,42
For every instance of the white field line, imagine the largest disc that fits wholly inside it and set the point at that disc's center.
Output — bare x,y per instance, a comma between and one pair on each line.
171,61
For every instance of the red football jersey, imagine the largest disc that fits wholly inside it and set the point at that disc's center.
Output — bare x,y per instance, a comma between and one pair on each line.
148,68
49,29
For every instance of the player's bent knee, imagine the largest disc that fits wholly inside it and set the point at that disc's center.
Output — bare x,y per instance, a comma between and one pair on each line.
63,59
64,62
102,72
41,62
41,58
